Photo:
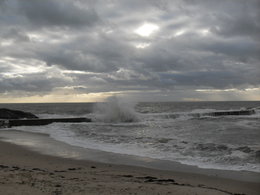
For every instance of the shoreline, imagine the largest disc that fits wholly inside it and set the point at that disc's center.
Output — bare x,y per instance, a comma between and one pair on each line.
32,172
44,144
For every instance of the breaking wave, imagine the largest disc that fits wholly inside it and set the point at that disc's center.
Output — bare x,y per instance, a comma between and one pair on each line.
115,110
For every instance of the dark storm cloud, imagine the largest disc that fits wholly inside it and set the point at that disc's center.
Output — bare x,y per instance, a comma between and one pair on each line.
37,82
237,19
88,53
199,44
48,13
14,34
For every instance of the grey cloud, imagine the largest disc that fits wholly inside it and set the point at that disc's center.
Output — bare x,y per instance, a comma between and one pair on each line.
216,79
104,54
230,19
35,82
15,34
49,13
98,39
242,49
237,19
240,26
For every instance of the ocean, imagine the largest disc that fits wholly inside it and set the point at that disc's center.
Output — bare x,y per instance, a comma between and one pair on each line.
175,131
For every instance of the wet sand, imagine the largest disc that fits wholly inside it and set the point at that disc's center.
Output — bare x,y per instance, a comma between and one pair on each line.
23,171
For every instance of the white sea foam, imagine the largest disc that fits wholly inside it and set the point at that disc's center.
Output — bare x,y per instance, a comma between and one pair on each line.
163,133
171,149
115,110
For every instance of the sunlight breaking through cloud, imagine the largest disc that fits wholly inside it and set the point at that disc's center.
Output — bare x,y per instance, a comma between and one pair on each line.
158,50
146,29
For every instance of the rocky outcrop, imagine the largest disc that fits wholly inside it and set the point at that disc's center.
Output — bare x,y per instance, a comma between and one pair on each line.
234,112
36,122
10,118
15,114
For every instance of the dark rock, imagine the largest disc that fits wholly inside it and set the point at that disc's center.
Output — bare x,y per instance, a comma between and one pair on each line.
15,168
58,171
34,122
72,169
166,180
10,118
147,177
127,175
38,169
15,114
3,166
234,112
150,179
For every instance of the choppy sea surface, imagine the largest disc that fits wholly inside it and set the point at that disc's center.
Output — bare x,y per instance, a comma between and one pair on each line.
175,131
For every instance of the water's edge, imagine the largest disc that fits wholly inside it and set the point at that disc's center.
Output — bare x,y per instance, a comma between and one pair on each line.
44,144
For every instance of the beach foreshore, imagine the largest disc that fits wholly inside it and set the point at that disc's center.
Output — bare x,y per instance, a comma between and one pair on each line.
23,171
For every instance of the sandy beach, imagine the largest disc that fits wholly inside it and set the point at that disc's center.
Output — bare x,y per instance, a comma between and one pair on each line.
124,97
27,172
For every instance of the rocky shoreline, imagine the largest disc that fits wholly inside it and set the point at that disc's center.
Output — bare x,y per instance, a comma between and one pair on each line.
10,118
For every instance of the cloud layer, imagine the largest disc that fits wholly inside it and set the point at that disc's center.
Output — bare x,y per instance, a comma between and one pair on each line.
199,48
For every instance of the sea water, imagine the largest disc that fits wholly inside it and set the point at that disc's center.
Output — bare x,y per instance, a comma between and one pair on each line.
174,131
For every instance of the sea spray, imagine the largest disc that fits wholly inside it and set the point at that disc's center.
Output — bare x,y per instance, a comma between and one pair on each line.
115,110
166,131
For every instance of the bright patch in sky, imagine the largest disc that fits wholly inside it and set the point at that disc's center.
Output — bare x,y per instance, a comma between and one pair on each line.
6,43
144,50
179,33
142,45
146,29
204,32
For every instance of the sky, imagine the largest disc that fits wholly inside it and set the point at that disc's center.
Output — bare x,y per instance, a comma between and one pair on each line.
147,50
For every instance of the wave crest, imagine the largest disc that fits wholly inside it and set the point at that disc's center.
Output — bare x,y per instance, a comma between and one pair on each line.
115,110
